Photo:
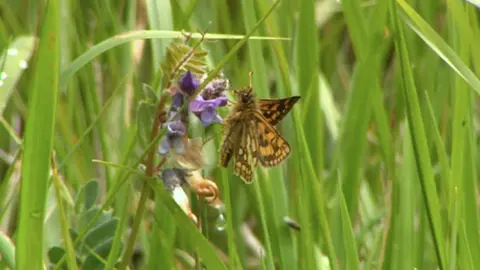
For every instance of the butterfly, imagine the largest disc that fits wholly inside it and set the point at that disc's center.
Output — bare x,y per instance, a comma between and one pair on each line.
250,136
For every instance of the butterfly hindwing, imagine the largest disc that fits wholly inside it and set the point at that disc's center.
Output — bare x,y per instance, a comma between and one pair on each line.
229,145
273,149
246,152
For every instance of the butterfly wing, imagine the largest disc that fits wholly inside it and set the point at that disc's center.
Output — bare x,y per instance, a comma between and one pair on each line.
230,142
246,152
273,149
240,143
275,109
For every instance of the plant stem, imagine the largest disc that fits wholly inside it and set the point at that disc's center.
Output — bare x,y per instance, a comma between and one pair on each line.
146,190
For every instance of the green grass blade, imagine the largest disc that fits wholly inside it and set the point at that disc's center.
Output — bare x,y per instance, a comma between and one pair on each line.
118,40
13,61
185,225
439,145
369,52
7,249
463,174
71,262
38,143
356,26
419,140
317,192
406,206
352,261
432,39
262,191
159,17
307,55
456,187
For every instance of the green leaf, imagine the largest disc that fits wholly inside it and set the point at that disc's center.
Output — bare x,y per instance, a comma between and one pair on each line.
55,254
105,216
145,121
101,233
180,56
96,259
91,191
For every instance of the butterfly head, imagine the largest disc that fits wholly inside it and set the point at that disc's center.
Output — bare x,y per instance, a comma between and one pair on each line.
244,95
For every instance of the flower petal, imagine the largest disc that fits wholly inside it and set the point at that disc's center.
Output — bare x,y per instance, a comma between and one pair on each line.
189,83
164,147
173,177
177,101
209,116
222,101
176,128
199,104
178,145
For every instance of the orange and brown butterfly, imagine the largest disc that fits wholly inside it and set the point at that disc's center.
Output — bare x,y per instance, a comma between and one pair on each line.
250,136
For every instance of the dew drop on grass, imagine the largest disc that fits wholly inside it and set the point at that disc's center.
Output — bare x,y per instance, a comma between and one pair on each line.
35,214
220,223
12,51
23,64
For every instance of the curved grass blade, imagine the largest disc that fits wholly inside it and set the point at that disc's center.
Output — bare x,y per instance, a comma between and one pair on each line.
118,40
196,239
434,41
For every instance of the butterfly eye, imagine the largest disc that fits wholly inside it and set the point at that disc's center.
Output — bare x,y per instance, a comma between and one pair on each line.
246,97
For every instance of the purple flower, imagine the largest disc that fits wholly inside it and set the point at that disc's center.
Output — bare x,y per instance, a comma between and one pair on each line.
215,88
174,139
189,83
205,104
173,178
206,110
177,101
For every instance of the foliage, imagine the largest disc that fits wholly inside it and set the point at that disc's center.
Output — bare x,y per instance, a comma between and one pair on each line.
93,250
110,127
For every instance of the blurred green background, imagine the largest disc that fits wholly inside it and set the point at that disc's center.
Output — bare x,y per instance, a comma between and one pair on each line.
383,170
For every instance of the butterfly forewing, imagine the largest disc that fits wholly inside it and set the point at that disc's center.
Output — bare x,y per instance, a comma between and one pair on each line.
275,109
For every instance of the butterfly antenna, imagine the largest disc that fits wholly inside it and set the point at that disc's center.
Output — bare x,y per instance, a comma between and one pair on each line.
250,74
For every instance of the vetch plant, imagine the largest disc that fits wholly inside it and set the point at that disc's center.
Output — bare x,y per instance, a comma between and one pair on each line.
184,70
